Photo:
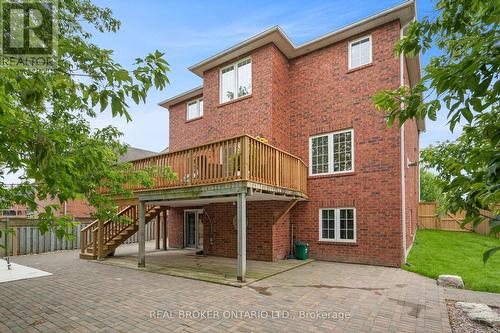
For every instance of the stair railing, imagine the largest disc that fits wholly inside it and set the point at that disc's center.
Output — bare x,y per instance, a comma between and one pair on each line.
111,228
88,234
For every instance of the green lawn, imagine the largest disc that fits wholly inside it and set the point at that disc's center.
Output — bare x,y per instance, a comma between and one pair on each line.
438,252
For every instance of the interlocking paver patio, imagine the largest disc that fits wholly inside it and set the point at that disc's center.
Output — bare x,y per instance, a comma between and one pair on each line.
83,296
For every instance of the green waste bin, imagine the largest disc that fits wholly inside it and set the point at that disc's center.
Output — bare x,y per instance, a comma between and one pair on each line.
301,250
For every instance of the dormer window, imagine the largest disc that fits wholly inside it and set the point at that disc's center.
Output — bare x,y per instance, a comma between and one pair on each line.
360,52
195,109
236,80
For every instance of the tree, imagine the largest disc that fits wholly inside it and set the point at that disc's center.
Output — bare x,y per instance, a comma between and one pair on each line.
463,81
43,118
429,189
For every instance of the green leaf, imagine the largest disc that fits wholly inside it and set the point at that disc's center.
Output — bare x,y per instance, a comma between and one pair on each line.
489,253
122,75
103,100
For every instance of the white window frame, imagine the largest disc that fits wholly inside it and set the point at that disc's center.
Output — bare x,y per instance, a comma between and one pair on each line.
235,64
337,225
200,110
330,153
350,46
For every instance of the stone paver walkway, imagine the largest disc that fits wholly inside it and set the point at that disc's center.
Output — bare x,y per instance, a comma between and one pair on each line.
83,296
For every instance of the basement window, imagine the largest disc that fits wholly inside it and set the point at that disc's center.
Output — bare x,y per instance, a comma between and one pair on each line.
337,224
236,80
360,52
195,109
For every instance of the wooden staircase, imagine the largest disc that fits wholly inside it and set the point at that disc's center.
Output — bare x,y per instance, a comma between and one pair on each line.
114,232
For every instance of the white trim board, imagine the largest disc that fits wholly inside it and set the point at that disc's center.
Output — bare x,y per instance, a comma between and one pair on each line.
18,272
404,12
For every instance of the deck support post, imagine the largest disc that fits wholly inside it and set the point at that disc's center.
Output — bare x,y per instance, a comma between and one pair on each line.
100,240
241,217
165,230
142,234
157,232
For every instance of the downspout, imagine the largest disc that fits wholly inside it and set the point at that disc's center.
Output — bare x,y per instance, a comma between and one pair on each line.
418,170
402,142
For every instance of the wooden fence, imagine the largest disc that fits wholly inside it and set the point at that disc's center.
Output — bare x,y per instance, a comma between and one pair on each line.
29,240
428,219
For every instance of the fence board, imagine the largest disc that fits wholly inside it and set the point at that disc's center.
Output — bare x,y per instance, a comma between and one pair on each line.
29,240
428,219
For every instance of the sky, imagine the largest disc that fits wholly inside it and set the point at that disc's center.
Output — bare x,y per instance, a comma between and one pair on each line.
190,31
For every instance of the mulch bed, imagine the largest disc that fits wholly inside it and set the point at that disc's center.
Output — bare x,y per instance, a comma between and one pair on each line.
460,323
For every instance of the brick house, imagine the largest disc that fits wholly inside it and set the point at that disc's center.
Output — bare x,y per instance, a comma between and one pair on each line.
282,143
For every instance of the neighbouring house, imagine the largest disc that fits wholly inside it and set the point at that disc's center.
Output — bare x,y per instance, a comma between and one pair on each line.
134,153
77,208
16,211
282,143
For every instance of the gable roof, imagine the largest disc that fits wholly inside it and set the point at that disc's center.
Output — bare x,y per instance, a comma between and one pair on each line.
182,97
404,12
135,154
164,151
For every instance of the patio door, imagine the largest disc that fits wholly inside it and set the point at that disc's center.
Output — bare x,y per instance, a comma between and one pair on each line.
193,228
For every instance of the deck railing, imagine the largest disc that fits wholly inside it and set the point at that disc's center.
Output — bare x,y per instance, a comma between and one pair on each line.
240,158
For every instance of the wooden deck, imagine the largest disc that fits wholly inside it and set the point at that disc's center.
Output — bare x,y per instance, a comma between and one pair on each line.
240,159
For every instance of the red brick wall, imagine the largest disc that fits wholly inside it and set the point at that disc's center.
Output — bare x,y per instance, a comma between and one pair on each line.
325,97
175,224
259,235
280,136
264,241
249,115
291,101
281,238
14,210
78,208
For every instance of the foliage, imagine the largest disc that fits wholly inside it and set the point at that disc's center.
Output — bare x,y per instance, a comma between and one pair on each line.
463,79
437,252
261,139
44,129
429,189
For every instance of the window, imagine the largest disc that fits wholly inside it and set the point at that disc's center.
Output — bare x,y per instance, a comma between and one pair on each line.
331,153
319,154
195,109
360,52
342,151
337,224
236,80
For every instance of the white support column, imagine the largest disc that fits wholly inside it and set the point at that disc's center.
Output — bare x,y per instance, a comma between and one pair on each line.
142,234
241,216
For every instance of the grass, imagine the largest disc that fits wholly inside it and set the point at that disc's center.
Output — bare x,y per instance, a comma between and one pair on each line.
437,252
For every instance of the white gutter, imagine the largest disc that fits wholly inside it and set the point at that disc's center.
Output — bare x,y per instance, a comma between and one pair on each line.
403,12
181,97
